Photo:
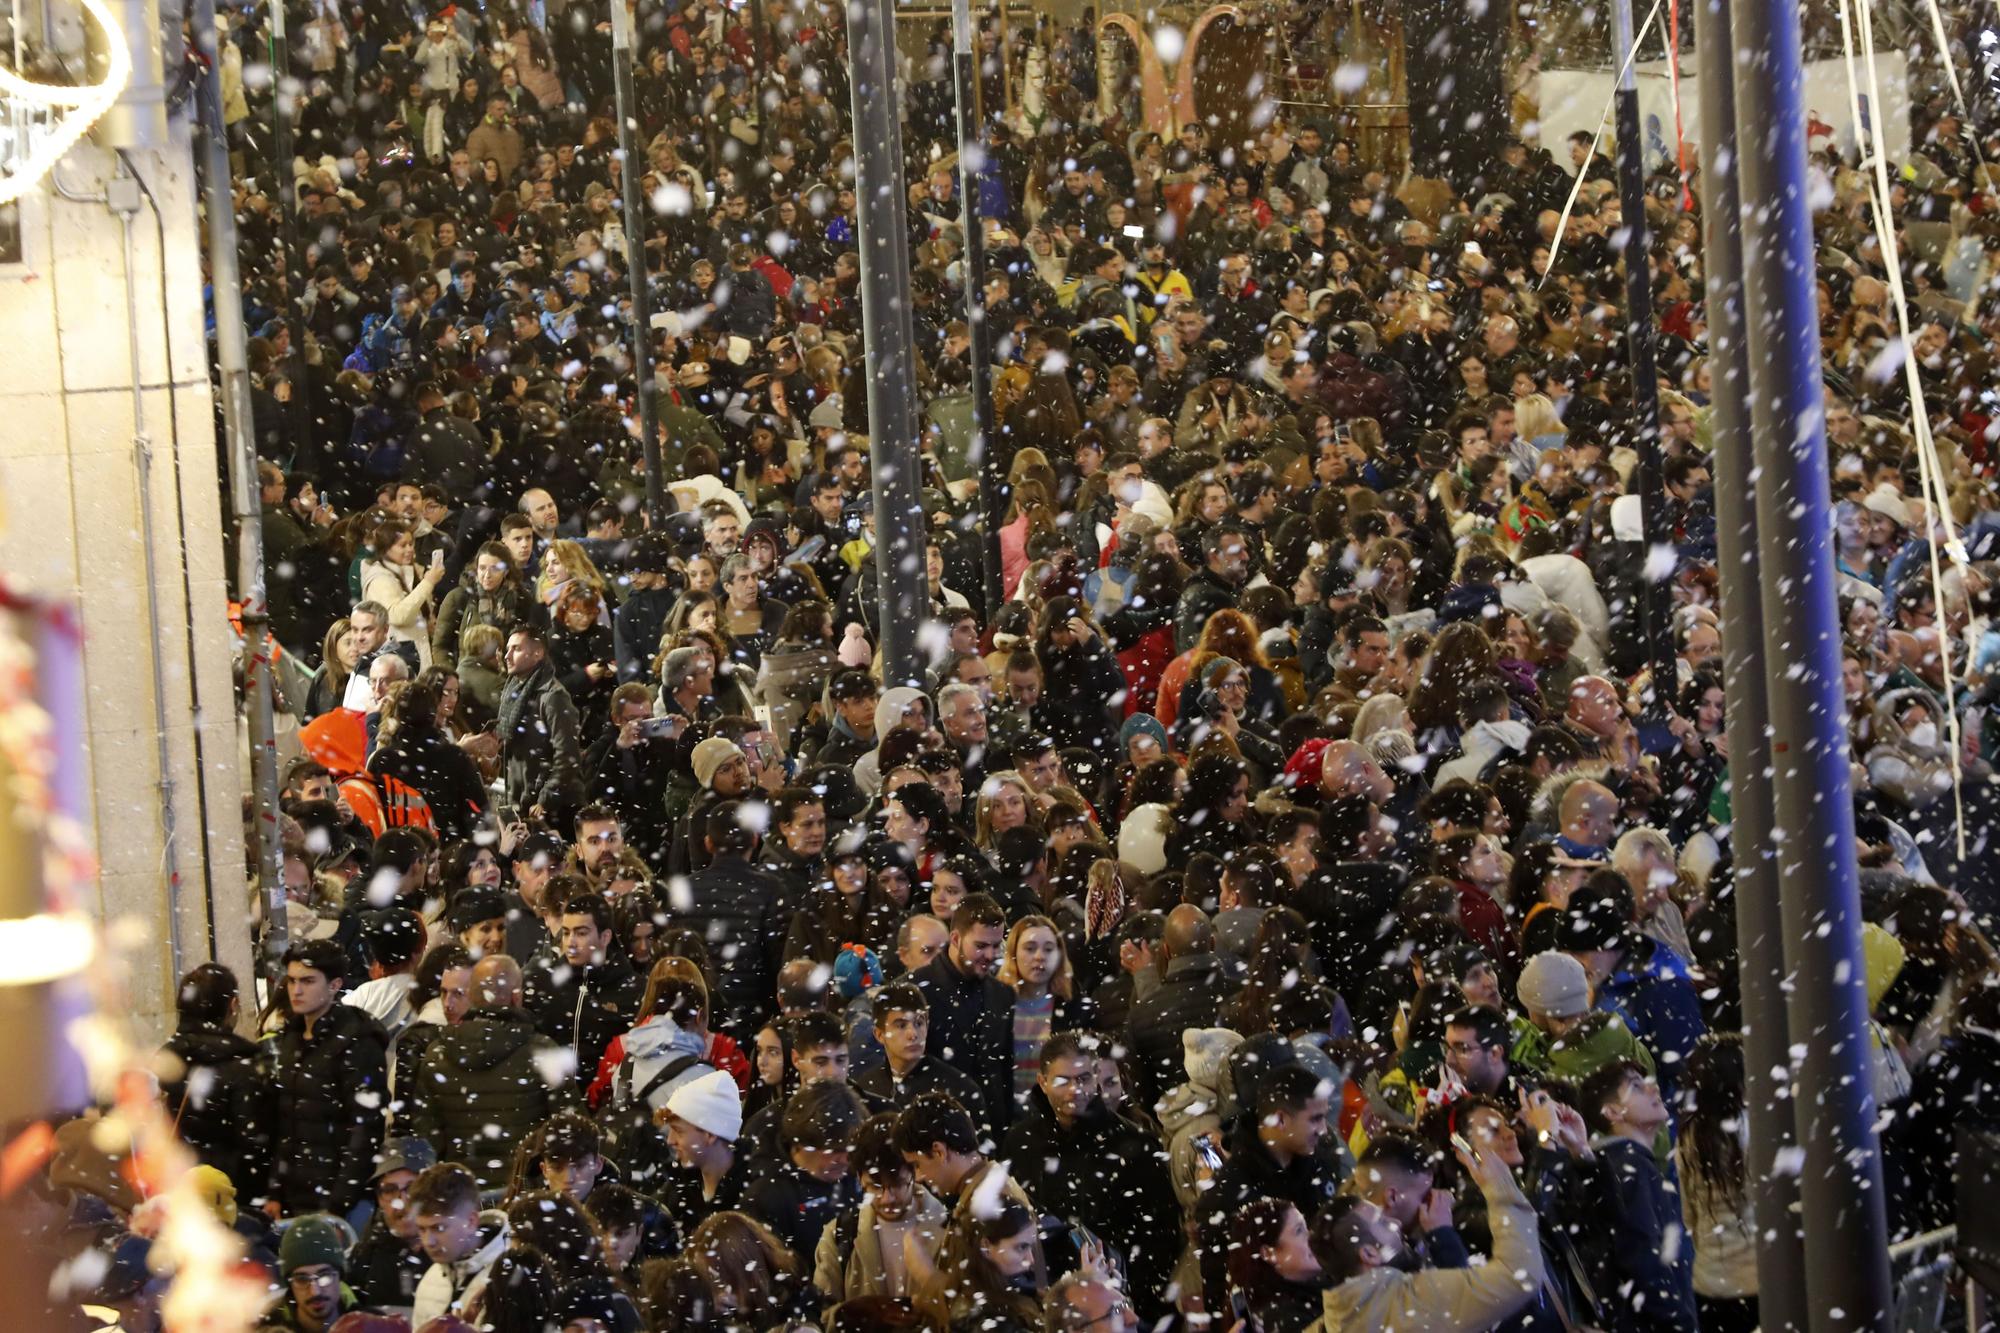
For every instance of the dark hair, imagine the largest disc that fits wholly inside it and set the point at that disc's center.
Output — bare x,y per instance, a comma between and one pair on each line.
817,1028
825,1116
1287,1088
726,832
322,956
1489,1027
1399,1150
978,909
593,905
936,1117
614,1208
566,1138
444,1188
875,1151
1338,1233
899,997
430,972
1712,1107
205,996
558,1227
1254,1229
1604,1085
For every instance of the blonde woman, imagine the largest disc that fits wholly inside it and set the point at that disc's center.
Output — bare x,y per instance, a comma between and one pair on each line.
1535,421
1381,712
1036,965
568,563
1005,802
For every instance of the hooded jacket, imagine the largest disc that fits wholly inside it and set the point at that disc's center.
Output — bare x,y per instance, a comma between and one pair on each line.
221,1102
1448,1300
482,1087
454,1289
888,712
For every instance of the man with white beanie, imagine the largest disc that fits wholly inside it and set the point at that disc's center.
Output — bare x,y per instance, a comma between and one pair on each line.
703,1118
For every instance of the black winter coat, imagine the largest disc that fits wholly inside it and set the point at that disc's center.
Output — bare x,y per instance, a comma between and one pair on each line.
1202,597
329,1089
445,774
972,1030
585,1008
221,1103
1252,1173
1191,996
743,915
482,1087
1083,690
1111,1176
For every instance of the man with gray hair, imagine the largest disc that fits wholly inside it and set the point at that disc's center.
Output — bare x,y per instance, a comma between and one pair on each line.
962,718
687,684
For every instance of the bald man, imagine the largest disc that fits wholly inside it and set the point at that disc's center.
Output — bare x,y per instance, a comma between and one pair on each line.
1347,769
1589,819
483,1085
1194,984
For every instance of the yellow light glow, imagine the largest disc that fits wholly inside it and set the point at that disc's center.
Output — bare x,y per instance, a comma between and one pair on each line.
86,106
37,949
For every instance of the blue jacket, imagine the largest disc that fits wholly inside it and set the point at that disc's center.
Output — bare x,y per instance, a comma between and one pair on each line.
1640,1256
1653,992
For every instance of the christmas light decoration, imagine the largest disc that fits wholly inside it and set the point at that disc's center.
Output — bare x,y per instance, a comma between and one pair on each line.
41,121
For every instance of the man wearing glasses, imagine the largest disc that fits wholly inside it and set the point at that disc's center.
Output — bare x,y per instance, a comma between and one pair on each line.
314,1262
389,1260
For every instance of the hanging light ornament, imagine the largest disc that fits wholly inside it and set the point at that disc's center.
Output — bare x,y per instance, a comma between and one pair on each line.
39,122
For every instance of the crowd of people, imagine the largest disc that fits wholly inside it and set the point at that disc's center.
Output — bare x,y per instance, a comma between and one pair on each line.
1300,905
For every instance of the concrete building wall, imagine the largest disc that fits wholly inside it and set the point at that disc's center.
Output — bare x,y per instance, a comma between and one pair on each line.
71,507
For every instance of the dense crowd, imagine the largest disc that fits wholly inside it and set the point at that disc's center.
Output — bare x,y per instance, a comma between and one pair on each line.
1300,905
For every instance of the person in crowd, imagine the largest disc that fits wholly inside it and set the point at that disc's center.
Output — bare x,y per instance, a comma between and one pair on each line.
1313,721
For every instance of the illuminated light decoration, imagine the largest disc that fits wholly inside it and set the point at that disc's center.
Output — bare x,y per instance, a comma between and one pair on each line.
33,135
39,949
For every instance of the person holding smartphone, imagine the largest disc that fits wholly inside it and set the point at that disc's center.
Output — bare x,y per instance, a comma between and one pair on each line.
390,577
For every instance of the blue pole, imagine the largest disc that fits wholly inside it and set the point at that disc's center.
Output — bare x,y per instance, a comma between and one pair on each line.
1840,1183
1773,1192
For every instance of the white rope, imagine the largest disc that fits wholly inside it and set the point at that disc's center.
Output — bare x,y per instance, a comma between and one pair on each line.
1930,471
1562,223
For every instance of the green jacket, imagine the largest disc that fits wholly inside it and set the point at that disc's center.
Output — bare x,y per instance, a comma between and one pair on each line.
1601,1038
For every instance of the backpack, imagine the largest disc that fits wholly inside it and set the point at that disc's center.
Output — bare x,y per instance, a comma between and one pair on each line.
631,1138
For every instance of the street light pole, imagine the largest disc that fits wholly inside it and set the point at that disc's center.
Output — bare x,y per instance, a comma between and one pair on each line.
1641,342
232,363
1773,1191
882,212
1840,1177
971,161
635,262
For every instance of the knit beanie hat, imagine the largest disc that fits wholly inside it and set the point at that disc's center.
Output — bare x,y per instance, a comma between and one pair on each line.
710,1103
1142,724
1205,1054
854,650
1554,984
1218,670
312,1239
710,756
